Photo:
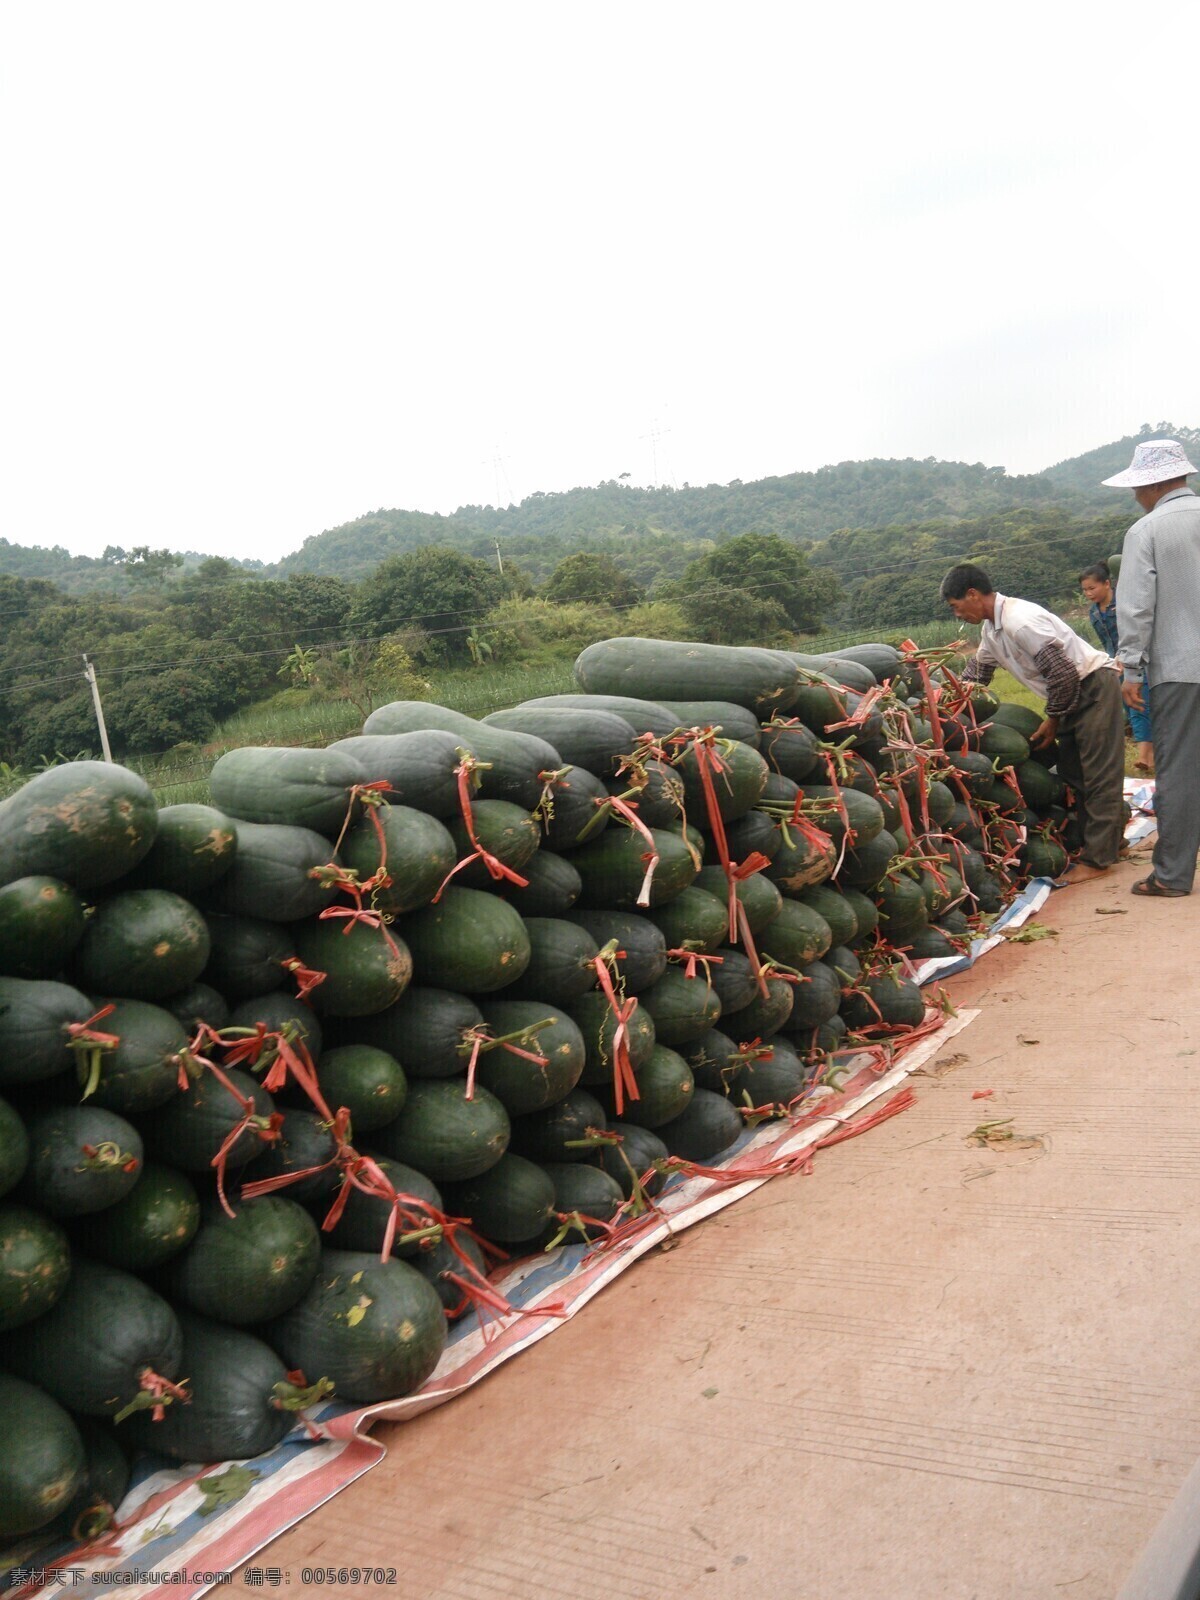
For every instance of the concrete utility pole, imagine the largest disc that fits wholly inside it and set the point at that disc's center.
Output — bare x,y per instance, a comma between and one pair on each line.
89,673
499,560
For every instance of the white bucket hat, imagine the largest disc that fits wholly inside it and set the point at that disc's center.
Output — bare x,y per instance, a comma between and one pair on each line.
1156,461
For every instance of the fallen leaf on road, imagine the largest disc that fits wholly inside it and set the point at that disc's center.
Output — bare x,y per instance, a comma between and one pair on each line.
1021,1039
1111,911
943,1064
1031,933
1000,1136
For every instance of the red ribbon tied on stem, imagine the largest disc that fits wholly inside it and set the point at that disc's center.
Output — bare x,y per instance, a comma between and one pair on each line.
497,871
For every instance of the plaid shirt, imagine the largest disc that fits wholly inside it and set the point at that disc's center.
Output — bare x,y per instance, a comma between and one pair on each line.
1063,682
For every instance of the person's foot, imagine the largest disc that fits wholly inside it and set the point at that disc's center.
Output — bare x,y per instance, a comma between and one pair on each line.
1152,889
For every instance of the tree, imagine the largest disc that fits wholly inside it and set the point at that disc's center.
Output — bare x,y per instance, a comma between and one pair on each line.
150,568
754,587
437,589
593,579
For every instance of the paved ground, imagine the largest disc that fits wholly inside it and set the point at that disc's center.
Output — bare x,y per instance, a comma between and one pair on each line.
931,1371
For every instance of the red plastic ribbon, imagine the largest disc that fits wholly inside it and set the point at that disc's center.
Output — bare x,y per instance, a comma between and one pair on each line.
651,856
497,871
692,959
624,1081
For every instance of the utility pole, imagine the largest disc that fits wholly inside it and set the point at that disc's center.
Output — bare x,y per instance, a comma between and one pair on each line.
499,559
89,673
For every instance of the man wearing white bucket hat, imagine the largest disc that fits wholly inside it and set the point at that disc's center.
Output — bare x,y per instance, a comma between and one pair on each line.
1158,623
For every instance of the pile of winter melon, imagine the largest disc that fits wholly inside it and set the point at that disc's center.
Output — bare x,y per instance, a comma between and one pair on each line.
285,1076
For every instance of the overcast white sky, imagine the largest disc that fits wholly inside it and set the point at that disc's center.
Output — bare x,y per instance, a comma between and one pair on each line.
271,265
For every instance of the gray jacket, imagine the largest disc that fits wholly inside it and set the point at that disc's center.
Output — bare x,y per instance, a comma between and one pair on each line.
1158,596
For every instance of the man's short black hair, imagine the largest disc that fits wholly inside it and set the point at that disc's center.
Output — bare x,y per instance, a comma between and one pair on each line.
1098,573
966,575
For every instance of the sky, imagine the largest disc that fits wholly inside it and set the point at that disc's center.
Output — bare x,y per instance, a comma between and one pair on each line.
270,266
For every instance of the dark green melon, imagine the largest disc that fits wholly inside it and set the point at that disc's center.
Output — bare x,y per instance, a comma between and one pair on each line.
507,832
597,1025
737,786
43,1463
247,956
551,1035
864,866
759,896
1039,787
276,874
445,1135
1024,719
194,848
366,969
281,1012
41,922
470,941
301,788
84,822
766,1014
81,1159
903,909
560,963
35,1263
576,803
426,1031
594,739
247,1267
722,716
1003,745
511,1202
1043,858
893,1000
100,1342
437,1264
238,1408
694,920
844,962
779,793
613,868
665,1088
774,1081
790,749
735,980
417,850
753,834
641,948
828,902
716,1061
683,1008
34,1017
145,944
365,1218
304,1144
703,1130
660,799
155,1220
375,1329
643,716
761,680
797,936
549,1135
516,762
190,1129
634,1157
14,1147
805,856
198,1003
552,886
866,913
368,1081
419,767
817,998
91,1511
931,944
142,1071
584,1191
863,818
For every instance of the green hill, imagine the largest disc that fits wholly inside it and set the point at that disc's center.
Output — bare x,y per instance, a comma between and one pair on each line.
1082,476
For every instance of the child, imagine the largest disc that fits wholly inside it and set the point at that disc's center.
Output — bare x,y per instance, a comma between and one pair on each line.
1098,589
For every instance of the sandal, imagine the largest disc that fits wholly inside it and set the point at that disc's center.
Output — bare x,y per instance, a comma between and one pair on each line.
1151,887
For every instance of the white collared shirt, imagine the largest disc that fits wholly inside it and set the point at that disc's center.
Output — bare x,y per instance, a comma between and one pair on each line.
1020,630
